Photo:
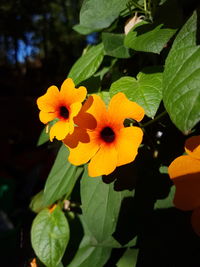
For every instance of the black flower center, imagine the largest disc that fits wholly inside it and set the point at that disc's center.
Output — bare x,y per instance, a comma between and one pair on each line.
108,135
64,113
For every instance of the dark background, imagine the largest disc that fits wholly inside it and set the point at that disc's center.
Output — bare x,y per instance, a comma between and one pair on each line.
37,48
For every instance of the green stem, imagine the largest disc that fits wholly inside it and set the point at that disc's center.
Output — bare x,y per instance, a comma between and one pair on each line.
145,5
154,120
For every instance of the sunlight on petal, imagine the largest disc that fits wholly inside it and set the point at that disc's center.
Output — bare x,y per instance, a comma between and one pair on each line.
59,130
127,144
121,107
104,161
49,101
70,94
185,173
47,117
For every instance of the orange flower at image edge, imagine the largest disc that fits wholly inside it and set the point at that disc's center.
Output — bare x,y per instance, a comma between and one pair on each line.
63,105
185,173
101,136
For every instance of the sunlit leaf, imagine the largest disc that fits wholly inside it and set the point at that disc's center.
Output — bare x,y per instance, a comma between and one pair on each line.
148,37
181,79
146,90
87,64
50,236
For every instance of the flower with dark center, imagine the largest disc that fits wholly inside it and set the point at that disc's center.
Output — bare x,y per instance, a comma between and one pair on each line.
63,105
101,137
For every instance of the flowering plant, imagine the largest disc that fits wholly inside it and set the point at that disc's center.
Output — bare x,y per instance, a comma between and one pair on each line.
121,118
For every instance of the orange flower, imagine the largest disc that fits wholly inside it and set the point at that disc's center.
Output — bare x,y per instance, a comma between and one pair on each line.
185,173
101,136
33,263
63,105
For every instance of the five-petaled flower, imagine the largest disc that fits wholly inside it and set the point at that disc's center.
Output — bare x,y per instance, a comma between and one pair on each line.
63,105
101,137
185,173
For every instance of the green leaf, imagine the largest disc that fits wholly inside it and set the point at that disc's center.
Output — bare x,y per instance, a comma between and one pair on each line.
146,90
129,258
100,207
50,236
82,29
37,203
166,202
88,255
87,64
148,37
43,138
181,78
61,179
99,14
114,45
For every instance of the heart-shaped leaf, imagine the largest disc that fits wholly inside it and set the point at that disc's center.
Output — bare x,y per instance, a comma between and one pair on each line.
146,90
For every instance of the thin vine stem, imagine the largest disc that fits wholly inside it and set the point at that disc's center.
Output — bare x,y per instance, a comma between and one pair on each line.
164,113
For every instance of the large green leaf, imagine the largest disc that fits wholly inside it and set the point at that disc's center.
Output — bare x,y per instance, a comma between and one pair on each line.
129,258
148,37
100,207
61,179
114,45
99,14
50,236
181,78
88,255
146,90
87,64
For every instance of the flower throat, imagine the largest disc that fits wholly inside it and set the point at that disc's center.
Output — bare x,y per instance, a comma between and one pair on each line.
108,135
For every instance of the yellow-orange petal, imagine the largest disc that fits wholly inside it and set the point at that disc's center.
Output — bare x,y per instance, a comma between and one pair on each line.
185,173
82,146
46,117
70,94
49,101
192,146
74,109
59,130
92,112
127,144
195,220
121,107
103,162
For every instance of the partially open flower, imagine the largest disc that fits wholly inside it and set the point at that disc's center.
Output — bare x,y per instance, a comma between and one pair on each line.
185,173
101,137
63,105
